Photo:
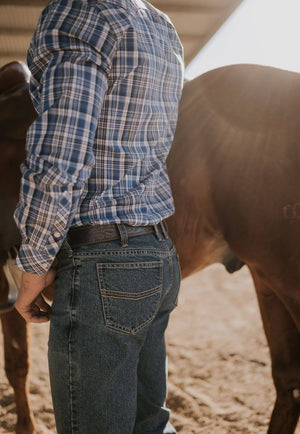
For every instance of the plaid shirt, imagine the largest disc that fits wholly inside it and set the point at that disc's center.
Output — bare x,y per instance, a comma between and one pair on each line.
106,81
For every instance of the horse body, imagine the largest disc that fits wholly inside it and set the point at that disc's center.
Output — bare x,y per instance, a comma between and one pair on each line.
234,171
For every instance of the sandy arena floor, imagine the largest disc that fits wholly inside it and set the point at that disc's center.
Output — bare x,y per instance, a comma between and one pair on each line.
219,369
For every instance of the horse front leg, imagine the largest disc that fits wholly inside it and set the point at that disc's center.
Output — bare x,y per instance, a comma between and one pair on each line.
15,332
283,339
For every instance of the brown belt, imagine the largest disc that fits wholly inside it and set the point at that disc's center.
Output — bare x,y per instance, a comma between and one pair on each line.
91,234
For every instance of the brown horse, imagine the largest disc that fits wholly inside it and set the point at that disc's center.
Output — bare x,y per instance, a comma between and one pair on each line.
234,170
236,183
16,114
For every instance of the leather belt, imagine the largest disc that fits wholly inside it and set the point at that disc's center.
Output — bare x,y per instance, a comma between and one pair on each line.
92,234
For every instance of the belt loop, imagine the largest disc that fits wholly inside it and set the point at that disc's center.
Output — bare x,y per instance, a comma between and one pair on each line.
164,229
157,232
123,234
67,246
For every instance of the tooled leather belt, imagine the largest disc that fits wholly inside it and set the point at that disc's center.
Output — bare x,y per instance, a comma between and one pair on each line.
91,234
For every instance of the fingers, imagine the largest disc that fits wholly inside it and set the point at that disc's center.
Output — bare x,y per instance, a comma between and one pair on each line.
37,312
34,315
42,304
39,317
30,303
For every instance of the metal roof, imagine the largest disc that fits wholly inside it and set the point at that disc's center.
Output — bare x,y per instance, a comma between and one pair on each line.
195,20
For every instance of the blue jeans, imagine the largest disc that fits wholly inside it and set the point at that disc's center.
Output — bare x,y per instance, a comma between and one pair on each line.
107,355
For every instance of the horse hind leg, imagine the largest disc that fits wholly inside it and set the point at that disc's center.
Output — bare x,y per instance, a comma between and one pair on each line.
283,339
16,367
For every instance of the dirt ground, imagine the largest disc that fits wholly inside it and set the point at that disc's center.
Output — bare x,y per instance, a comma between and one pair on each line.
219,368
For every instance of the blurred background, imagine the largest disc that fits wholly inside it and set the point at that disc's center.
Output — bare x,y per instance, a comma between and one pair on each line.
214,32
196,21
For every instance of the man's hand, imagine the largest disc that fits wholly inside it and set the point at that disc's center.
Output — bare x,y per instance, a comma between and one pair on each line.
30,302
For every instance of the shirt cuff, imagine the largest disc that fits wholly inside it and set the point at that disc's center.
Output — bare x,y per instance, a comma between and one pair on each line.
34,261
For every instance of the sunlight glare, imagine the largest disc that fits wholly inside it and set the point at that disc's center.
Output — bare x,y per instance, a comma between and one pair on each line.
265,32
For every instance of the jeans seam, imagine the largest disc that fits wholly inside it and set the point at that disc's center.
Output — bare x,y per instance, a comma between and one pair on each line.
171,275
70,348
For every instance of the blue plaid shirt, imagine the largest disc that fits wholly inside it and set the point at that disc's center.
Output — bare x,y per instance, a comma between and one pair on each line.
106,81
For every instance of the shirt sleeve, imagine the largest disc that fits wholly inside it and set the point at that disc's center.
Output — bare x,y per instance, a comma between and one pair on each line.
59,158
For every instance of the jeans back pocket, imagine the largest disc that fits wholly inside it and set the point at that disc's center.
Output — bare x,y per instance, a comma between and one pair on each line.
130,293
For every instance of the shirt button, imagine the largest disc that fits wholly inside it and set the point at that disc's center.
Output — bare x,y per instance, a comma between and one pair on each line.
56,235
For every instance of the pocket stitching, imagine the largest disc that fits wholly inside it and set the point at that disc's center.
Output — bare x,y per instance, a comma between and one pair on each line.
104,297
150,264
129,295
